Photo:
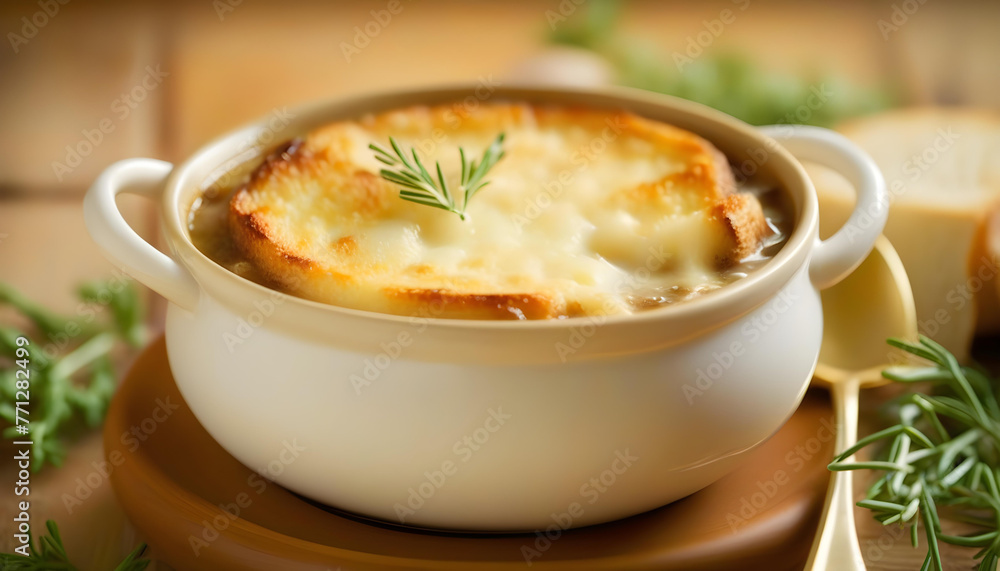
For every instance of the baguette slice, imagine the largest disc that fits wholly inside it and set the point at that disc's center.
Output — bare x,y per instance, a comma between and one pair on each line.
581,201
942,168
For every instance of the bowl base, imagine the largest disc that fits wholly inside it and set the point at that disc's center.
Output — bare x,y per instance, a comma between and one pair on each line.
199,508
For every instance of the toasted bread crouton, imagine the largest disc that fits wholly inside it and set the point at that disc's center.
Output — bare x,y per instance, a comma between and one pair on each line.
570,211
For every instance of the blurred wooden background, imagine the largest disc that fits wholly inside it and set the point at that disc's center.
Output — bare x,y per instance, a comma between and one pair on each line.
161,79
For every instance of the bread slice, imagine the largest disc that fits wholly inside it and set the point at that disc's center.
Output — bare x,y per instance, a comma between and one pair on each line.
582,200
942,167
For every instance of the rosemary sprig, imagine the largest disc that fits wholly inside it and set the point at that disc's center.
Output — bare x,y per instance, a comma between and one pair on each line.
52,555
943,453
724,79
420,186
71,373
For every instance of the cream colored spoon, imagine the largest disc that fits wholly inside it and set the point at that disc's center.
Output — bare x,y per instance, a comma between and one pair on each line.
859,314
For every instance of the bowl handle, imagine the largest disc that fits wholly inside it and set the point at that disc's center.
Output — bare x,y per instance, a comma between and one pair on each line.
837,256
119,242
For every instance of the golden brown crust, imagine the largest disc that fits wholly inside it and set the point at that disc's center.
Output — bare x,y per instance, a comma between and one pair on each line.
746,225
450,304
308,218
274,260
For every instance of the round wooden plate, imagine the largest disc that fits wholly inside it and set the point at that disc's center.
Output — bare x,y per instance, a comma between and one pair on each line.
201,509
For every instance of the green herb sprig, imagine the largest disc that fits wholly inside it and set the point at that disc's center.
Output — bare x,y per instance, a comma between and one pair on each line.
71,374
52,555
421,187
727,81
942,458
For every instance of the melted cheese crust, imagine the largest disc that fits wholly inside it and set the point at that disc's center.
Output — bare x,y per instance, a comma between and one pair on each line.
591,212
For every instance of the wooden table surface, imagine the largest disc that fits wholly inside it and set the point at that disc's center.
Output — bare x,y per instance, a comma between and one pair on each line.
165,78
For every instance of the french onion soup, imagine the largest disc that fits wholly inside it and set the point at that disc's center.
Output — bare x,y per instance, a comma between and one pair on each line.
507,211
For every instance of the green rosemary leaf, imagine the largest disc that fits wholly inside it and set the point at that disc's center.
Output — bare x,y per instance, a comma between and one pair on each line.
930,528
72,382
125,305
868,440
954,433
465,166
47,322
916,349
918,436
911,509
444,185
877,505
133,562
927,411
955,475
953,448
725,80
991,481
909,375
981,540
52,555
892,519
421,187
875,465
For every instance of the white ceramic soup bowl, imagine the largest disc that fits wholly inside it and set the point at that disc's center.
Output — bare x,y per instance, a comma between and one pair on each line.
494,425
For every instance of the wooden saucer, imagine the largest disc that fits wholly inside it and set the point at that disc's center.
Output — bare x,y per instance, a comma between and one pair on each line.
177,484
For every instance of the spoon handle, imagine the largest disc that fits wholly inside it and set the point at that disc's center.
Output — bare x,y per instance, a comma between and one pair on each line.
836,543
